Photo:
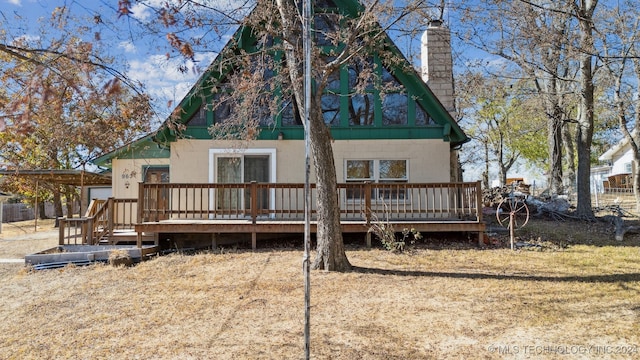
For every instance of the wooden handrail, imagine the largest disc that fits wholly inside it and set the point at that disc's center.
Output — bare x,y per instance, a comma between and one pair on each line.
284,200
100,222
362,201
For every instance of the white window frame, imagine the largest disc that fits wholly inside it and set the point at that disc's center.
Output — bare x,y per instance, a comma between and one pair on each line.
376,178
215,153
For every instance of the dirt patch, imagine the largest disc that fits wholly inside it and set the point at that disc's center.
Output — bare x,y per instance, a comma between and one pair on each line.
23,238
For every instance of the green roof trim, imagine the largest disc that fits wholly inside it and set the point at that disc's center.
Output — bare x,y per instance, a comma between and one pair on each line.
144,148
446,128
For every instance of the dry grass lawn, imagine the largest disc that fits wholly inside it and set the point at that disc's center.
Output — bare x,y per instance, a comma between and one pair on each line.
577,294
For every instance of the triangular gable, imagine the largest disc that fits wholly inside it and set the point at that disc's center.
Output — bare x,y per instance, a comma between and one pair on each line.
443,127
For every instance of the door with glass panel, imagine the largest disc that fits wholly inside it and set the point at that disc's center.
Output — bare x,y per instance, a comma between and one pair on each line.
238,170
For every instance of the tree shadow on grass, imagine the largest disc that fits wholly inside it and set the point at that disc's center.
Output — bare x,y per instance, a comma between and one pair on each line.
604,278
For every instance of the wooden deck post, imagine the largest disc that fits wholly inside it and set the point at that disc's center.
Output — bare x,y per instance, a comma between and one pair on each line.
110,216
139,217
214,241
140,202
62,223
479,206
254,211
367,211
254,201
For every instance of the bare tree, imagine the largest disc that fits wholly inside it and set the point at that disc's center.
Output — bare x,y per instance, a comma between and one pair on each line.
62,102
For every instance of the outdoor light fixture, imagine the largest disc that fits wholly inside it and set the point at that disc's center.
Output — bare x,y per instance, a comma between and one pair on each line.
280,135
126,184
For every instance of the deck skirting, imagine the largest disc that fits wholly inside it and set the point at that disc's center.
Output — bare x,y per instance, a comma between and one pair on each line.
186,226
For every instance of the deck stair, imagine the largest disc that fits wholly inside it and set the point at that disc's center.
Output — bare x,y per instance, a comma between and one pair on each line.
106,222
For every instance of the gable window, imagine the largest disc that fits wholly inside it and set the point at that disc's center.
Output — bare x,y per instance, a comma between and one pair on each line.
395,103
331,109
394,109
361,108
423,117
199,118
290,114
223,107
377,171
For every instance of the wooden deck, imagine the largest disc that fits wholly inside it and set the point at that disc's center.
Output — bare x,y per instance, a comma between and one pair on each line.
265,208
295,226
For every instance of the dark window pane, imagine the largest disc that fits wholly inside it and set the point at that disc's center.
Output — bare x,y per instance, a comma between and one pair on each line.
199,118
331,109
394,109
361,109
263,111
362,75
324,4
290,114
422,117
389,82
334,81
222,108
326,30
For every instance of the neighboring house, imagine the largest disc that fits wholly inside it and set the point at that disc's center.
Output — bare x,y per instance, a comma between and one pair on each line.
617,173
406,137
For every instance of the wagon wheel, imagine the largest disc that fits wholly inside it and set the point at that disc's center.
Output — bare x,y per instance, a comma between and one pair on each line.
512,212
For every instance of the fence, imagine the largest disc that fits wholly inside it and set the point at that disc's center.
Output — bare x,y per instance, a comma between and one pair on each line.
22,212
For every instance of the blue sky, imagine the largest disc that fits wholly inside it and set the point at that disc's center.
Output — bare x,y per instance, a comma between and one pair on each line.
146,56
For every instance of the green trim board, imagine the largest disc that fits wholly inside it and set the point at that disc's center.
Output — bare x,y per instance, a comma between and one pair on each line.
144,148
417,93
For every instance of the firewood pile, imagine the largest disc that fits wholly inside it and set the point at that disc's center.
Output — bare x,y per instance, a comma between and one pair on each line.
556,206
493,196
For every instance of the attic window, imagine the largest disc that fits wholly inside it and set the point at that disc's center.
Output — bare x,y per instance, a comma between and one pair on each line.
394,109
290,114
199,118
361,107
223,109
423,117
327,27
331,109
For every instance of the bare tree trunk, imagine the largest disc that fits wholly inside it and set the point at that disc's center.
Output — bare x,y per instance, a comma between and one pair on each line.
636,180
485,174
555,152
330,247
584,13
568,140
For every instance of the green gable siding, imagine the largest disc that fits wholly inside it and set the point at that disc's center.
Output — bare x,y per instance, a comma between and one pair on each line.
442,126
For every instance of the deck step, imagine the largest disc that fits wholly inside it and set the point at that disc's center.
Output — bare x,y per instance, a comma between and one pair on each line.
61,264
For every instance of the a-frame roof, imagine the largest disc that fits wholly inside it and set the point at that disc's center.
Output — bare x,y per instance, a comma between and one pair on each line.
445,127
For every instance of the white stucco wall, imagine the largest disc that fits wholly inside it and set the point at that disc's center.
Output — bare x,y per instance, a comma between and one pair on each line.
428,159
131,171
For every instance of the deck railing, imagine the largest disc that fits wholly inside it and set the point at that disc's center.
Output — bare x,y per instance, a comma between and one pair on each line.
100,220
358,201
268,201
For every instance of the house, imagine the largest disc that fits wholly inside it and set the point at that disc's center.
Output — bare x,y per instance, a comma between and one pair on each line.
395,157
617,171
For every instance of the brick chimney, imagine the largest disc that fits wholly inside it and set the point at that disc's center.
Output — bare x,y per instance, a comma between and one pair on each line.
437,63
